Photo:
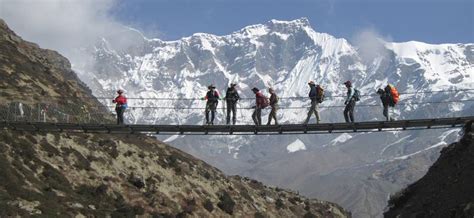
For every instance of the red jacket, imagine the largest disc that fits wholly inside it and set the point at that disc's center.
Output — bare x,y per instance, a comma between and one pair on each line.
120,100
260,100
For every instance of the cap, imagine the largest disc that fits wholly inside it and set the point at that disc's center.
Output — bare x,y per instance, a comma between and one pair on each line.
255,89
233,84
120,91
211,86
311,82
348,83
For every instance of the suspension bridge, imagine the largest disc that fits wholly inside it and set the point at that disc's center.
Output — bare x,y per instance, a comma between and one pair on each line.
374,126
54,117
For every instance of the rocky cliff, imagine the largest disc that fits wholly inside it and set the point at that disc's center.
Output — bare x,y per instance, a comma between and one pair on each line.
59,174
446,190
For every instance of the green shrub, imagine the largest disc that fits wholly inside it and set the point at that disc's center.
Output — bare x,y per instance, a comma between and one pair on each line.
208,205
279,203
226,203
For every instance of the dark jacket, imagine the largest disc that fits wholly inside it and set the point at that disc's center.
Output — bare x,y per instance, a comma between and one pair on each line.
273,100
312,92
232,96
212,96
386,99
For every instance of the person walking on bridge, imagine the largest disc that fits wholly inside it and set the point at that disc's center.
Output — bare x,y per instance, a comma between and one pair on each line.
274,106
212,97
314,93
352,97
385,98
120,106
260,102
231,97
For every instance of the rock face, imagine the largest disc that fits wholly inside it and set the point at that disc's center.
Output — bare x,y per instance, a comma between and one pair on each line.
446,190
59,174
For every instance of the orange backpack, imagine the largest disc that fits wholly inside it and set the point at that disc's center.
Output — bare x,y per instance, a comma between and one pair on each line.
395,96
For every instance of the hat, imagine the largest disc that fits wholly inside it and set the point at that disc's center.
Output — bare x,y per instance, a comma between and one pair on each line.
233,84
211,86
311,82
380,91
348,83
120,91
271,89
255,89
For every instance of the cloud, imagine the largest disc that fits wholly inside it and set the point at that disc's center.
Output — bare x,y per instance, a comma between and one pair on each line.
370,44
61,25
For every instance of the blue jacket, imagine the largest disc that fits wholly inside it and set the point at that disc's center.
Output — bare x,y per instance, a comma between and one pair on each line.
312,92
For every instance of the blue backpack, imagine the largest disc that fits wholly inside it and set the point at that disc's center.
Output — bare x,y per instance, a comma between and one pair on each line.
356,95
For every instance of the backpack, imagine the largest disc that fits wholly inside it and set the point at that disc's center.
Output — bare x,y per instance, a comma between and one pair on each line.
356,95
266,102
394,95
319,94
124,106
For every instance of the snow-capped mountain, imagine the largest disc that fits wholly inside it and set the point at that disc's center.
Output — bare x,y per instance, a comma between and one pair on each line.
285,55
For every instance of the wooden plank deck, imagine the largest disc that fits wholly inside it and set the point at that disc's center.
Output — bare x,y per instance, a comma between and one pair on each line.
240,129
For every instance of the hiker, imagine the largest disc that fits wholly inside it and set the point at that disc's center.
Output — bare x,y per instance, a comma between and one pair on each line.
385,98
260,103
274,106
120,106
212,97
231,97
316,95
350,102
393,98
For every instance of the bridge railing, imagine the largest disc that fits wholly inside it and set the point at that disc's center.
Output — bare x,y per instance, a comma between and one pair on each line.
190,111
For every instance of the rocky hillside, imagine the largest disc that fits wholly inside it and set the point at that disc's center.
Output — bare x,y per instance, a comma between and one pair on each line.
59,174
446,190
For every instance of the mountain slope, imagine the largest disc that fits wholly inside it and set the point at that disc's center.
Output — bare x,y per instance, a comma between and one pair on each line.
446,190
60,174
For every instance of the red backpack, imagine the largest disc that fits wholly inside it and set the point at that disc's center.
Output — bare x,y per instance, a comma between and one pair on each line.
394,95
266,102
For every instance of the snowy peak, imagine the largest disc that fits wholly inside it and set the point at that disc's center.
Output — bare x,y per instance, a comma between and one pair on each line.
281,54
442,65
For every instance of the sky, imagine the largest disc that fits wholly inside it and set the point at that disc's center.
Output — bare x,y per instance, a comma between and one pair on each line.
432,21
65,24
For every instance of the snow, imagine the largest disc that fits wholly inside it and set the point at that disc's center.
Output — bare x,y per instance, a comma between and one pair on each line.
441,143
344,137
394,143
297,145
171,138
